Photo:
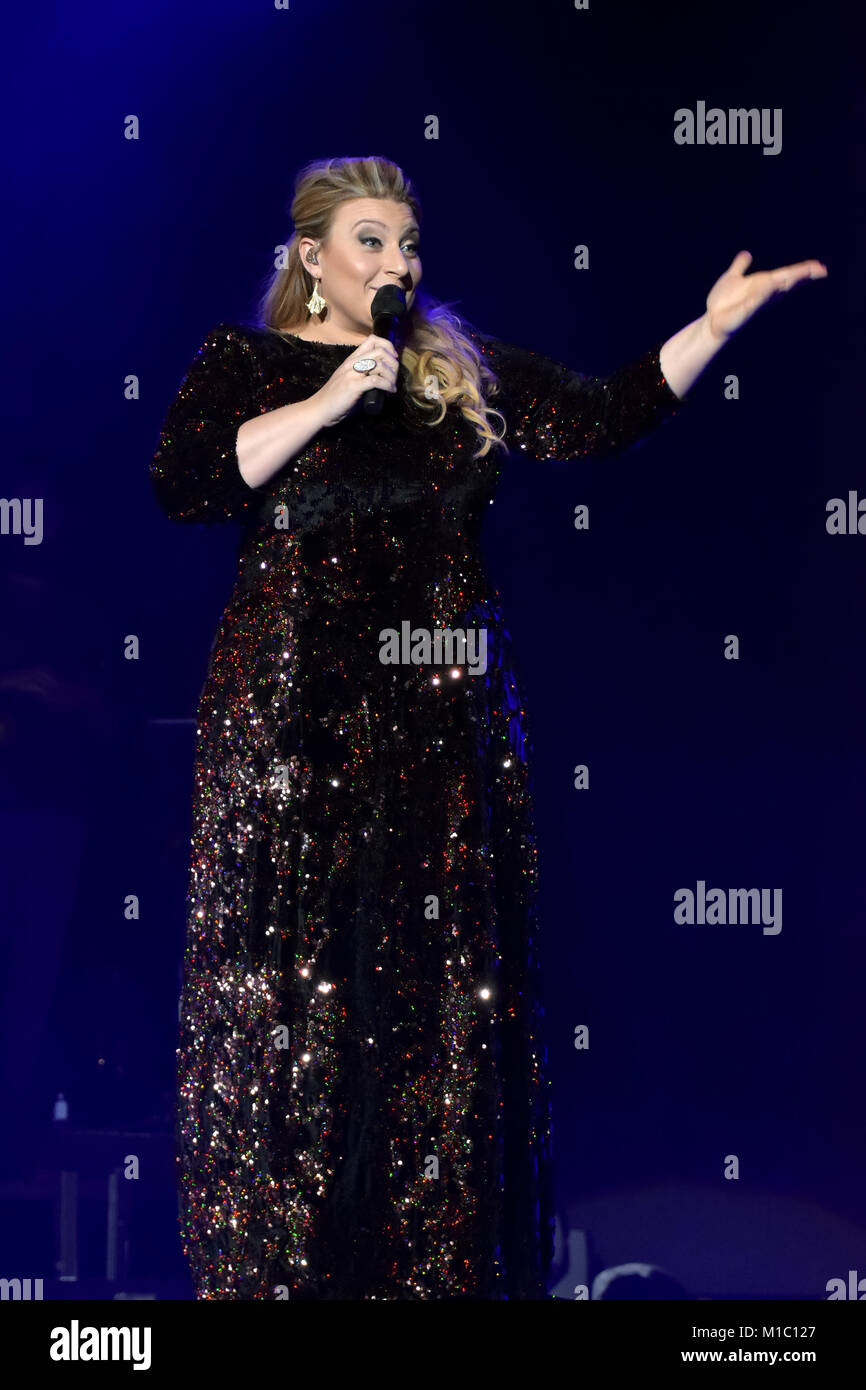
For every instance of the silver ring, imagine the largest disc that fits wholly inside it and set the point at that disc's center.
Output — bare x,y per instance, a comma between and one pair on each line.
364,364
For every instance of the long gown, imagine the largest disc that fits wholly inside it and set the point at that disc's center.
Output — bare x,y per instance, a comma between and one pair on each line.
363,1108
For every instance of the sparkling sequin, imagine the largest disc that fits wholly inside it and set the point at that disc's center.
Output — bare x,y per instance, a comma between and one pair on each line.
363,1100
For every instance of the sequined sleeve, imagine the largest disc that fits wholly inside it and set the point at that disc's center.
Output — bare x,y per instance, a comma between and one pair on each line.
194,473
554,412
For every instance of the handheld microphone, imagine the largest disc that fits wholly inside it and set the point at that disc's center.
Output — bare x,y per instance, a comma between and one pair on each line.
387,309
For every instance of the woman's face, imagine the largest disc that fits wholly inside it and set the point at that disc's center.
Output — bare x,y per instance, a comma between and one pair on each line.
372,242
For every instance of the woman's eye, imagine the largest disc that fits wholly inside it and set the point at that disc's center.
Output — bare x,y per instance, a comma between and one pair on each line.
413,244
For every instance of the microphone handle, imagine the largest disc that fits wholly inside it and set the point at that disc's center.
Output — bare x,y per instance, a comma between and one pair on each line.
384,326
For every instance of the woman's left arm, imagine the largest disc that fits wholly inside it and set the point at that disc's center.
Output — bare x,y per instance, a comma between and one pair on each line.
732,301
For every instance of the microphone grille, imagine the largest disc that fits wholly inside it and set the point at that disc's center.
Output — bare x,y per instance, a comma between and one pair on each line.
389,299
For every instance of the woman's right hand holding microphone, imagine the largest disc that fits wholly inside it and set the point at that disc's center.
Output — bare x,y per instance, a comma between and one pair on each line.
342,391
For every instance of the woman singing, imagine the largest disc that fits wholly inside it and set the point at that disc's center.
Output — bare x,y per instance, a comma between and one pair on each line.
363,1102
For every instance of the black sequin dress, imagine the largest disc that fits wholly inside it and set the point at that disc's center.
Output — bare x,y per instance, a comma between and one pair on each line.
363,1107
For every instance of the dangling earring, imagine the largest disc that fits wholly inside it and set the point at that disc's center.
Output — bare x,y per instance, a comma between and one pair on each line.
316,302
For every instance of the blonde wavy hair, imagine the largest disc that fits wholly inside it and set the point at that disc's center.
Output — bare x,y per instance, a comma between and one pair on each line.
434,343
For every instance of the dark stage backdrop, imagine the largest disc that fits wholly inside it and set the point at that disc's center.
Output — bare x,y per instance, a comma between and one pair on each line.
530,131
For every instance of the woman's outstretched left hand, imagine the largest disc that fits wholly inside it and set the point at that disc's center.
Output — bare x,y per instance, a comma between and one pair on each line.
735,296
